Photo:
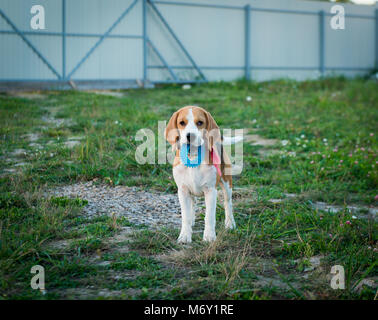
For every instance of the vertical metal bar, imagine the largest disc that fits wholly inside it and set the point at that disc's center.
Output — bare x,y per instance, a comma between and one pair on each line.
64,39
247,43
321,43
376,38
177,39
144,41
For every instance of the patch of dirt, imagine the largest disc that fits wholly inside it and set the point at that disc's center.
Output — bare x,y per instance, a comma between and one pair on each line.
257,140
352,208
59,244
35,145
368,282
57,122
71,143
17,168
116,94
122,236
265,153
287,196
314,263
94,293
27,95
262,265
241,194
172,257
10,170
16,160
355,209
32,137
75,138
153,209
263,281
21,164
18,152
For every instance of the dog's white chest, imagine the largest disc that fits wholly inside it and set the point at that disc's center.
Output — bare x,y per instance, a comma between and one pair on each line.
195,180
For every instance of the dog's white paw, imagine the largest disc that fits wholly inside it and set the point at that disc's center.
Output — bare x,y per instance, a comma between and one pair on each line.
184,238
209,236
230,224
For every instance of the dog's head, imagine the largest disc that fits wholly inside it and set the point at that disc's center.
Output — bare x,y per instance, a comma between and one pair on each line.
192,125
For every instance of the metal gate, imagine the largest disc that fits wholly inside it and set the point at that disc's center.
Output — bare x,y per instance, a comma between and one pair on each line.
66,76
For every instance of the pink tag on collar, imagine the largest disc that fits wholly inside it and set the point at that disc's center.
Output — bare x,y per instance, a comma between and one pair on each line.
216,162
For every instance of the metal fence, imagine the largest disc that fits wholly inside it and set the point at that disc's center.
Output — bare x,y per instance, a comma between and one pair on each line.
155,46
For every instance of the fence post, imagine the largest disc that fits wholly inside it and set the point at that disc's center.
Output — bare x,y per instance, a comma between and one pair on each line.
247,42
144,42
64,39
321,42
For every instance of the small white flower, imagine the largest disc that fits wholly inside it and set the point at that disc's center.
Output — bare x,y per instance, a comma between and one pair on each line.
303,136
354,217
304,146
284,142
324,140
248,98
116,122
186,87
254,121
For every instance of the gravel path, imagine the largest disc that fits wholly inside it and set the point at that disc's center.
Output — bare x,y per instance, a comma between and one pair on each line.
140,207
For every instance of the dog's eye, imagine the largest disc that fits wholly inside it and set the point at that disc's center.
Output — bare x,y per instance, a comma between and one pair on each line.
182,123
199,123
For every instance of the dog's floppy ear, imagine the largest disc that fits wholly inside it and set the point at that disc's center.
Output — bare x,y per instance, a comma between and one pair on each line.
212,129
211,124
214,135
171,132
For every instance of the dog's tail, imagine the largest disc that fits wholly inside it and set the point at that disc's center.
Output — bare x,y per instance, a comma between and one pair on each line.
231,140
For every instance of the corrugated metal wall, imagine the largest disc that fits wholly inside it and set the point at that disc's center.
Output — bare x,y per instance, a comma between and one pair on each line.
281,44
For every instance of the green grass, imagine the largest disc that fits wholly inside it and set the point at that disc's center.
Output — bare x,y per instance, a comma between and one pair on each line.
327,142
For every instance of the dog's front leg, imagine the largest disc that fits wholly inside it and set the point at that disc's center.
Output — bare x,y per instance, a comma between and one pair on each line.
186,203
211,205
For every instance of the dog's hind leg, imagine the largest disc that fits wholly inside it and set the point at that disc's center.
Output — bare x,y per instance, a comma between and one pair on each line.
227,195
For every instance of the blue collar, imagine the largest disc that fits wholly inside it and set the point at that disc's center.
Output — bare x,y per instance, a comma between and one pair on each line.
185,150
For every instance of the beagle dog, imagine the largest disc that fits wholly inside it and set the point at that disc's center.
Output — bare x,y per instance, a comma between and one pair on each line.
200,165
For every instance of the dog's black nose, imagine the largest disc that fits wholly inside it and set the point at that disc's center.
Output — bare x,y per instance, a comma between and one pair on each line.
190,137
